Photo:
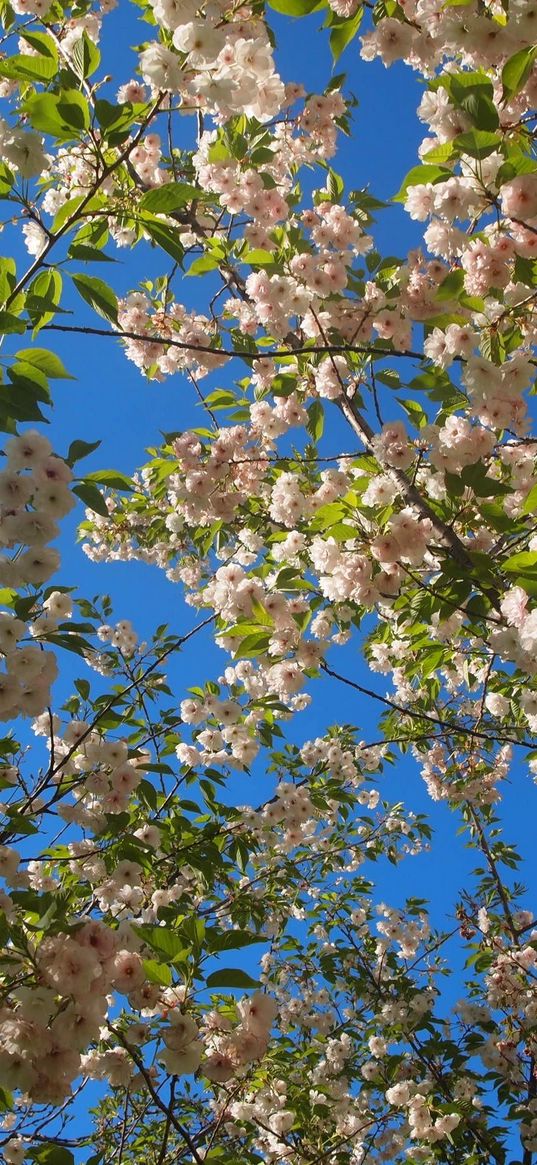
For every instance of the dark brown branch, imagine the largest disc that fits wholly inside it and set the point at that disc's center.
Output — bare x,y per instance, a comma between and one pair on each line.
450,726
268,353
491,862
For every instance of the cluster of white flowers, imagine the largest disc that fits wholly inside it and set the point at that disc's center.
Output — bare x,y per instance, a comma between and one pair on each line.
231,1049
190,329
22,150
518,641
34,491
226,65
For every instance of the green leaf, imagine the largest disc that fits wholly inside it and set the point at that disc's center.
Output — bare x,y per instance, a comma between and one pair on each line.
477,143
203,264
443,152
8,278
526,271
252,645
80,449
459,85
421,175
335,185
342,33
483,485
28,68
230,977
6,182
451,286
8,597
166,199
164,236
43,44
10,323
50,1154
315,425
221,398
476,477
68,211
516,72
296,7
482,111
111,478
257,257
85,56
98,294
341,532
6,1098
474,93
530,504
18,400
415,413
390,377
162,939
46,361
108,114
517,163
25,377
43,298
74,110
65,115
116,120
525,562
260,613
88,254
230,940
157,972
92,497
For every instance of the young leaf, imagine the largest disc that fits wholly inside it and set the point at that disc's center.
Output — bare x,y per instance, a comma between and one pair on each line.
297,7
166,199
343,32
111,478
516,71
46,361
22,66
202,265
315,425
420,175
65,115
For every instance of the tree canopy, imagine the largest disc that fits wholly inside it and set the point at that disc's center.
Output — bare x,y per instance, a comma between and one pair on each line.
198,962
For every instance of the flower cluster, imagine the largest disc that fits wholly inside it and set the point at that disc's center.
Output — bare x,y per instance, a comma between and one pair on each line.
34,491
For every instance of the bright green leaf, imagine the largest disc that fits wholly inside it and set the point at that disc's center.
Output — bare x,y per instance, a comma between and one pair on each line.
166,199
111,478
516,72
343,32
46,361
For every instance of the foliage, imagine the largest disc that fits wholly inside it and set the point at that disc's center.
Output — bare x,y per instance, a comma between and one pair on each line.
226,973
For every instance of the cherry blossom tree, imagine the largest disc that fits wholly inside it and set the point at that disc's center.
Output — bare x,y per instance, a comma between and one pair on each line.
186,978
